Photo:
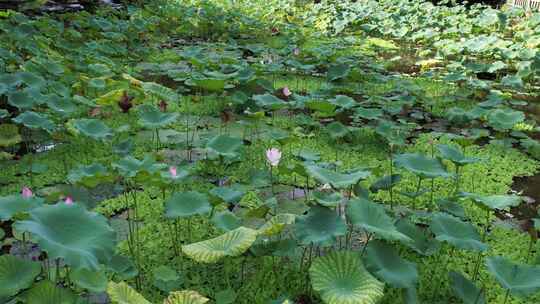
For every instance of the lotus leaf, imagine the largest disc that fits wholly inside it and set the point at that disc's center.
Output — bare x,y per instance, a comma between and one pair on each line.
16,274
186,204
519,279
422,165
456,232
319,226
385,263
337,180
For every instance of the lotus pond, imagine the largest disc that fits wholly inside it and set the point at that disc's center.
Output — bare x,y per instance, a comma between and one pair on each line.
208,151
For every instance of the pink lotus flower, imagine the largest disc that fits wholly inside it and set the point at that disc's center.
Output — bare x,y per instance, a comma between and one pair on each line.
68,201
273,156
286,92
173,172
26,192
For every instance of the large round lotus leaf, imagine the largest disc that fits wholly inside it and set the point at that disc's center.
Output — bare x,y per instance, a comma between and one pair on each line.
456,232
372,217
465,290
369,113
152,117
277,223
499,202
210,84
337,180
13,204
230,195
61,105
33,120
343,101
384,262
89,176
46,292
421,240
270,102
422,165
185,297
123,267
224,145
226,220
505,119
232,243
93,128
80,237
337,130
340,278
9,135
337,71
16,274
21,99
162,92
122,293
328,199
319,226
520,279
454,155
94,281
130,166
385,183
166,279
186,204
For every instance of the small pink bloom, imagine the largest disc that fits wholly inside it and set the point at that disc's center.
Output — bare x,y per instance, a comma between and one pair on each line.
286,92
172,171
26,192
296,51
68,201
273,156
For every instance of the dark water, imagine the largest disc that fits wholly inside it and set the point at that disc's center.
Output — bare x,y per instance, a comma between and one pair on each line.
493,3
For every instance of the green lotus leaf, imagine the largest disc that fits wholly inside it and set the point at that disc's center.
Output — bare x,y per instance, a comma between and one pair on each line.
230,195
210,84
337,180
93,281
465,290
319,226
343,101
46,292
328,199
131,167
123,267
456,232
226,220
385,183
369,113
227,296
269,101
186,204
166,279
89,176
224,145
454,155
340,278
21,99
276,224
9,135
337,130
499,202
80,237
151,117
30,79
450,206
422,165
372,217
232,243
16,274
337,71
93,128
505,119
391,132
61,105
161,92
185,297
122,293
519,279
13,204
384,262
33,120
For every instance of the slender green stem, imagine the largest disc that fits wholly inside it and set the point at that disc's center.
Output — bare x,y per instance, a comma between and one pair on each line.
506,296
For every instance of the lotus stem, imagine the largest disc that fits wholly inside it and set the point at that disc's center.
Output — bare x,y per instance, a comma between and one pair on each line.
506,296
369,235
529,251
457,178
391,190
272,179
417,191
